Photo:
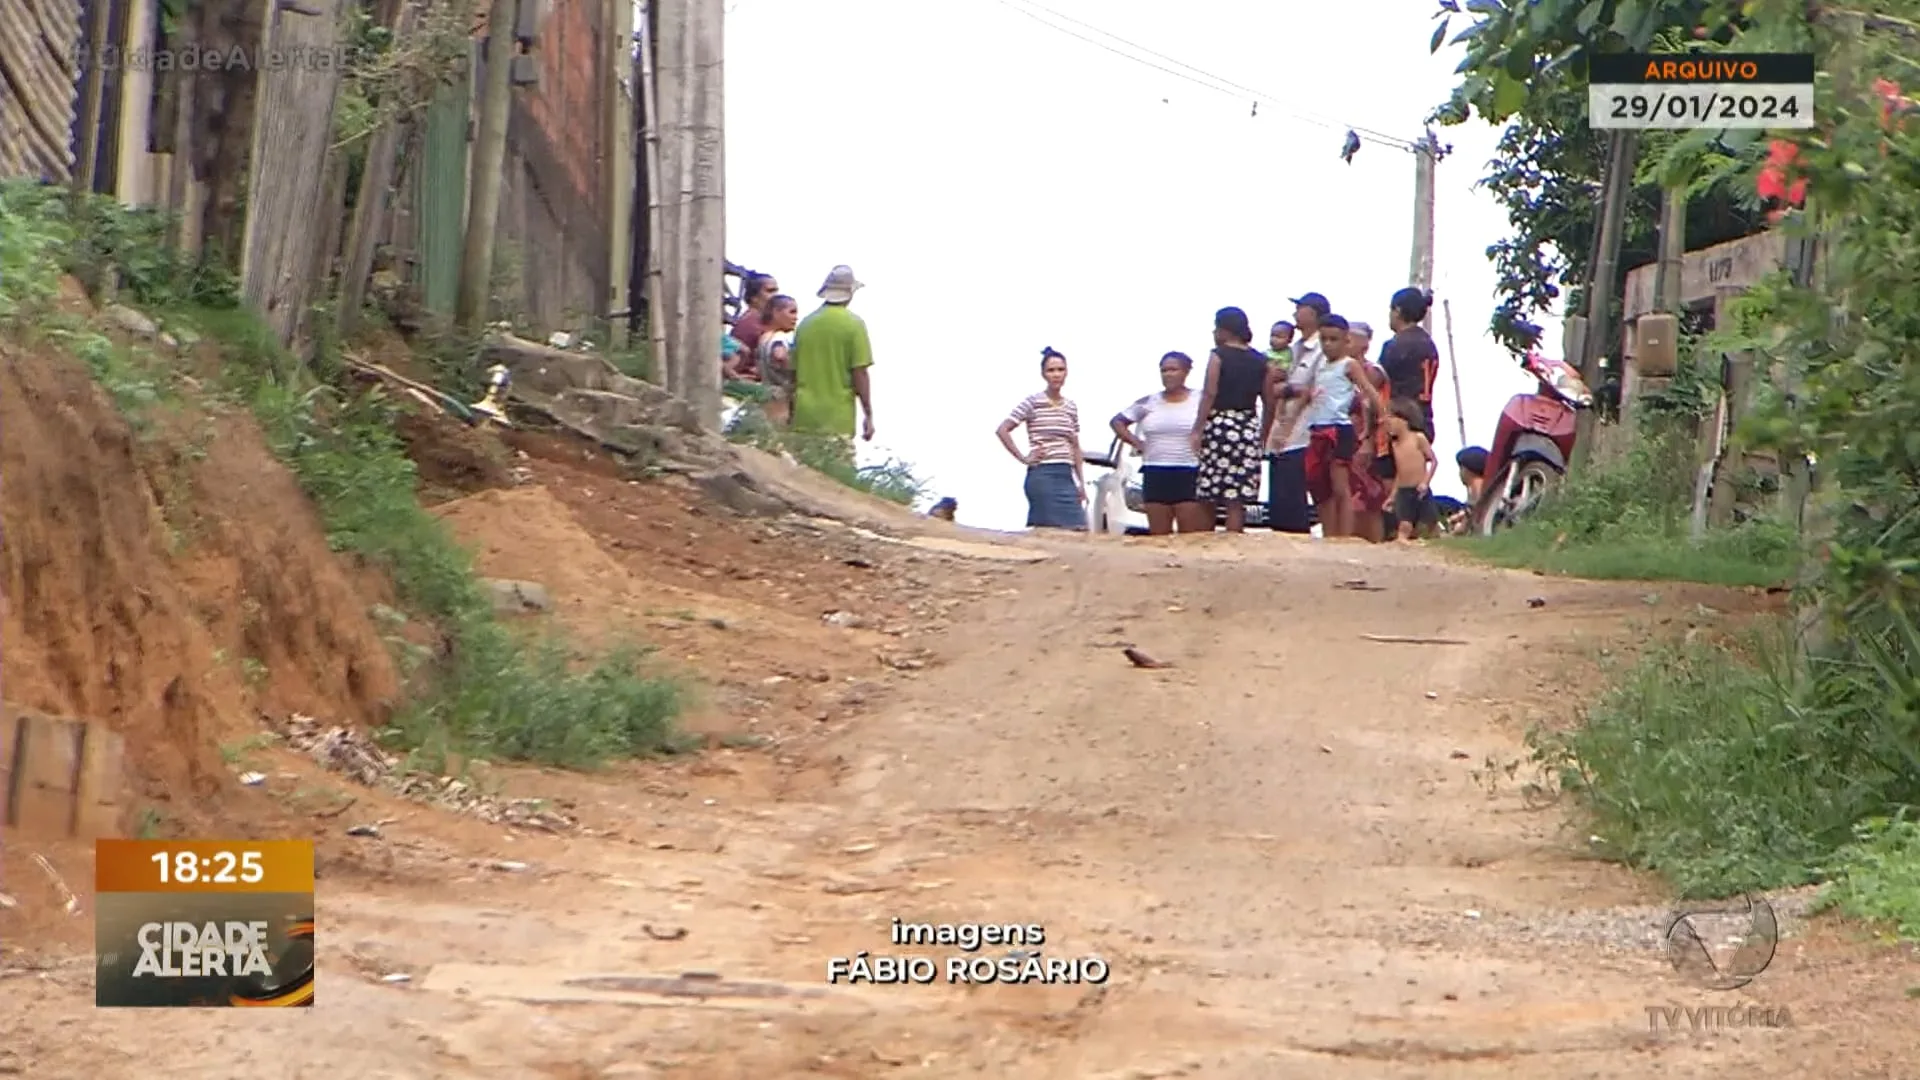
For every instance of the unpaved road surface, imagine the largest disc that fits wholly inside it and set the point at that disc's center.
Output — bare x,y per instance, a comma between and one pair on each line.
1288,846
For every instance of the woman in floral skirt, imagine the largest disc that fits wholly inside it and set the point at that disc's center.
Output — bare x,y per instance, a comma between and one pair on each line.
1227,434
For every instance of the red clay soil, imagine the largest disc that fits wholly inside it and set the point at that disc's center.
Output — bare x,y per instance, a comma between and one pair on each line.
172,585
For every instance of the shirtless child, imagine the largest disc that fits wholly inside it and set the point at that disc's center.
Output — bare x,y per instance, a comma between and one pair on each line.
1413,468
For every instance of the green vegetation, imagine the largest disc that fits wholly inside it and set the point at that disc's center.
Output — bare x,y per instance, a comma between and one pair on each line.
1881,882
893,481
492,692
1733,767
1630,520
1526,69
1794,756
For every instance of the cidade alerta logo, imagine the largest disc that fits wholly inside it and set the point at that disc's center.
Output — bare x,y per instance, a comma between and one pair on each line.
184,950
235,948
1746,932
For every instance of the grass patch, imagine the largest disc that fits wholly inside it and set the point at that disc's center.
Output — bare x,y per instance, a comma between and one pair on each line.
830,455
1631,520
496,694
1876,878
1734,768
1752,553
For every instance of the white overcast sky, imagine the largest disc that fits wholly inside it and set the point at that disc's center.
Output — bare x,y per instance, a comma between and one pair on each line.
1001,186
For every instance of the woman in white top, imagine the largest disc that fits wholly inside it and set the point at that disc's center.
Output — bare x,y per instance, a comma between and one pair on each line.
1160,428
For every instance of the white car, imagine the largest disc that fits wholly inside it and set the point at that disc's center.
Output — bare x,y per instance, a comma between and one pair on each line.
1115,504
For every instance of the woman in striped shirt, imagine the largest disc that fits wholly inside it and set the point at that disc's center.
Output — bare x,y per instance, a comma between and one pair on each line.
1056,473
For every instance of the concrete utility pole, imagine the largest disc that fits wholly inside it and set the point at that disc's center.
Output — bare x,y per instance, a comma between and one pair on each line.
690,94
1426,154
616,158
1623,150
489,160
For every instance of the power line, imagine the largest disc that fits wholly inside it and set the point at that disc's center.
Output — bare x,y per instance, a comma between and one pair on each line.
1247,90
1211,81
1218,88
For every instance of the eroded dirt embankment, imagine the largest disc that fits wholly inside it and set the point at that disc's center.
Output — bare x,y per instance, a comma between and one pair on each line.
169,584
172,584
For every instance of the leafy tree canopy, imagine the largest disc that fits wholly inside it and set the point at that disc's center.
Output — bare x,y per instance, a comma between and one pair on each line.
1526,67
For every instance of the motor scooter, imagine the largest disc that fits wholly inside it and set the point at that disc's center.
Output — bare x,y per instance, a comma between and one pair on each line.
1531,443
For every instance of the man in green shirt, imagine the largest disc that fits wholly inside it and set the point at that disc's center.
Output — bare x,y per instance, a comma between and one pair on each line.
830,356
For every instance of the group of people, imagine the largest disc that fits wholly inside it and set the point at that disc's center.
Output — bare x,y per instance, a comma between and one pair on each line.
814,368
1328,424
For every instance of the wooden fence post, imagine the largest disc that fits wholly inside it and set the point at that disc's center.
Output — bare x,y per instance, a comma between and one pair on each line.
370,204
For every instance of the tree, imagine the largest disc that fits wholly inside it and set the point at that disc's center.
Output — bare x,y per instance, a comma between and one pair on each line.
1526,67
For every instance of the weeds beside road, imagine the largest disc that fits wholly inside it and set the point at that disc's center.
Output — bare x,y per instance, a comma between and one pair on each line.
1727,766
491,691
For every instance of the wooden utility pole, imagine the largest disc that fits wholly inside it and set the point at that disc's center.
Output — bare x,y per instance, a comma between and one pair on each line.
1453,364
93,97
650,148
1617,187
488,162
1426,154
370,205
617,157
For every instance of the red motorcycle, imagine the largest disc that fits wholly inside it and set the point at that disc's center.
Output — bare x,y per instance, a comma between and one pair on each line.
1531,444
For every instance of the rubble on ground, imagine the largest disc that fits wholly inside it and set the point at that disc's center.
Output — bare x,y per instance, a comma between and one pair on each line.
639,423
355,755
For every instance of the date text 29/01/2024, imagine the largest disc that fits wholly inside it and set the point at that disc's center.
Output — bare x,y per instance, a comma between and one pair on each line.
1723,91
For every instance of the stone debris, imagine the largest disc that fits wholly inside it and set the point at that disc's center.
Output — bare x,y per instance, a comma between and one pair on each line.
354,754
518,597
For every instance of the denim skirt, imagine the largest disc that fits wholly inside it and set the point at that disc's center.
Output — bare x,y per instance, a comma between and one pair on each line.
1053,499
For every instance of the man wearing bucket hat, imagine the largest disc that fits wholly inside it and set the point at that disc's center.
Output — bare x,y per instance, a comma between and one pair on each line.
831,354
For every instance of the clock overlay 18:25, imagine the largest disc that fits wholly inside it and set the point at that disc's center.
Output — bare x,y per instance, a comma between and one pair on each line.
203,923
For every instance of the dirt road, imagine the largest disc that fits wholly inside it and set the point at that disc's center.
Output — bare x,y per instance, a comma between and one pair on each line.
1288,846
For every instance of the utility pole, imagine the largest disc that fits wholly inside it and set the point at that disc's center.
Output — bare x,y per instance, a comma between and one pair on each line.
1673,250
1426,154
690,93
1453,362
93,74
1623,148
616,156
488,161
652,287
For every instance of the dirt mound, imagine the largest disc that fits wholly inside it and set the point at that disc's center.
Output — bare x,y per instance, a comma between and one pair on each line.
527,534
170,586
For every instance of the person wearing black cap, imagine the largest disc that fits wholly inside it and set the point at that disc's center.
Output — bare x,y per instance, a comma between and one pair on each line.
1410,356
1285,435
1226,434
